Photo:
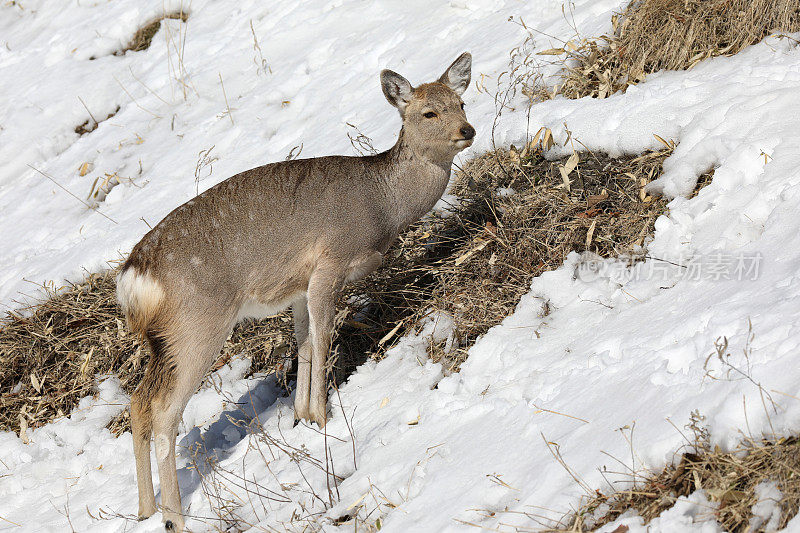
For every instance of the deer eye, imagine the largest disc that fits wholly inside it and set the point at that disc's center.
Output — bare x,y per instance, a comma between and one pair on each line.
462,105
429,114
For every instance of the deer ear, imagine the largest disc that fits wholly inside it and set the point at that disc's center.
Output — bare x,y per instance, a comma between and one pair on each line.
396,88
458,74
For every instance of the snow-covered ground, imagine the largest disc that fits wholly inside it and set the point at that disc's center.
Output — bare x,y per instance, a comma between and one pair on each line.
607,378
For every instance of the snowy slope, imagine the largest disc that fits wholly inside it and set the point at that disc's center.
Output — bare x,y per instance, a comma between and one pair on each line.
317,70
599,379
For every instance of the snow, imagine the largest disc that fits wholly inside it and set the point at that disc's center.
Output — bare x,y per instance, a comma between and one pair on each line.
693,513
766,512
607,372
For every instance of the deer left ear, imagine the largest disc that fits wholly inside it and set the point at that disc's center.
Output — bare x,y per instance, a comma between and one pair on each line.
458,74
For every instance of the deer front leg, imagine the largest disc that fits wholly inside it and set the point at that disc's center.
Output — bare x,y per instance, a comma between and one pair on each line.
322,289
303,387
300,316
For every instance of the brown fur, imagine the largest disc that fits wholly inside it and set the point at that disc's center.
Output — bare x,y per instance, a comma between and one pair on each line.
288,233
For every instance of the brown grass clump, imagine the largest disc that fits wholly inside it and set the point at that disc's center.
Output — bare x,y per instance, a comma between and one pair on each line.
729,479
51,353
535,222
654,35
143,37
50,357
517,218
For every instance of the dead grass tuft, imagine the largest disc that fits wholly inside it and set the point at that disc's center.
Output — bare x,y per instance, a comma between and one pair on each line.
654,35
517,218
729,479
143,37
51,353
91,123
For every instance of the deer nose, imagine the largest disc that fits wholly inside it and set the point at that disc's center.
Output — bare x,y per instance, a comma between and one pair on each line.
467,131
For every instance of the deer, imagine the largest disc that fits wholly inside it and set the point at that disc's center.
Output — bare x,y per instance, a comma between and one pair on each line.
284,235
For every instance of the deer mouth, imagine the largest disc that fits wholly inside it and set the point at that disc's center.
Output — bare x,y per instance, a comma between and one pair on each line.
462,143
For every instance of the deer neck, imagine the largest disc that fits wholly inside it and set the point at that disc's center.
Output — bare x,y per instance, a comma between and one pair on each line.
416,180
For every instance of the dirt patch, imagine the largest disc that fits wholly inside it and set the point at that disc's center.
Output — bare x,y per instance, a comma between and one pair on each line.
91,123
143,37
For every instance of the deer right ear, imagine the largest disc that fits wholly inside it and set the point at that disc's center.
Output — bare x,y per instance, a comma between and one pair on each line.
396,88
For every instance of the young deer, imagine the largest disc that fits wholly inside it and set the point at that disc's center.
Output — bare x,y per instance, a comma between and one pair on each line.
285,234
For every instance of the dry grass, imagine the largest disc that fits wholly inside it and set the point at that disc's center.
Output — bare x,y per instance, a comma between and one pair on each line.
51,353
474,264
91,123
729,479
654,35
143,37
517,219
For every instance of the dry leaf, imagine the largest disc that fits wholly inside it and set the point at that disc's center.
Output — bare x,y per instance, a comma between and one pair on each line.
547,140
38,384
465,257
590,233
85,168
23,429
589,213
358,500
595,199
670,145
564,178
86,360
572,162
568,167
551,52
35,383
537,136
390,334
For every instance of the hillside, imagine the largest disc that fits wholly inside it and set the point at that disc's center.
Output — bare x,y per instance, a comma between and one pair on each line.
589,383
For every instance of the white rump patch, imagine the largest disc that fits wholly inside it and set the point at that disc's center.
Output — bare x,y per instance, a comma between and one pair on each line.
137,291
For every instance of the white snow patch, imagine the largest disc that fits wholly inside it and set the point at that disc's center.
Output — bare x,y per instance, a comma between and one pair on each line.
766,511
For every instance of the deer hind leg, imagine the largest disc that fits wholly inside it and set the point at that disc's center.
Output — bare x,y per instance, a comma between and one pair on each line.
142,429
191,354
142,421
